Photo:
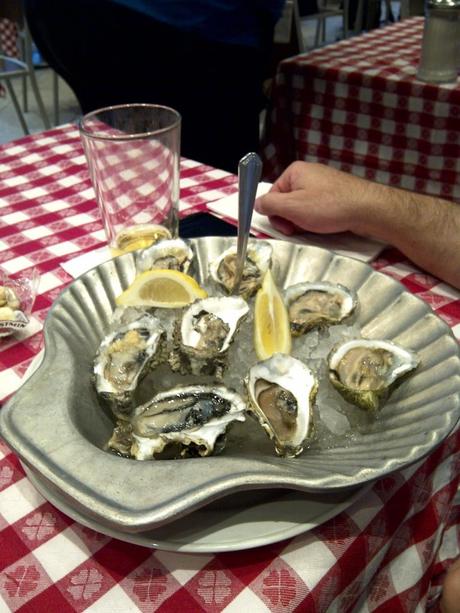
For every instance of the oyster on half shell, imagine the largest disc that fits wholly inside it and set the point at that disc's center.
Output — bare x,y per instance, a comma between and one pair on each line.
366,371
170,254
317,304
282,392
258,261
194,417
124,357
205,333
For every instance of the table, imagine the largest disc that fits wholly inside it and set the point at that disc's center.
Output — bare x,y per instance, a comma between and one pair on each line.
387,552
8,42
357,105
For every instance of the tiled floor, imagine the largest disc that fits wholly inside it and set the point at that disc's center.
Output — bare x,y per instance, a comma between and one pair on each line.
10,127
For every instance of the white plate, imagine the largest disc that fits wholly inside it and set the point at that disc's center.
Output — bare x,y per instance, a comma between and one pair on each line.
241,521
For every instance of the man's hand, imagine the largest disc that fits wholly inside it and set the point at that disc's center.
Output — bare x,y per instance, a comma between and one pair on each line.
315,198
321,199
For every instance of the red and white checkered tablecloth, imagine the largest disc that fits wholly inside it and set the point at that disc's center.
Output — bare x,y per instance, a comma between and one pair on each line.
387,552
9,37
8,42
358,106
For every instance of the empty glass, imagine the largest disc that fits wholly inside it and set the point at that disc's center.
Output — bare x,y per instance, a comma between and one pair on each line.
133,155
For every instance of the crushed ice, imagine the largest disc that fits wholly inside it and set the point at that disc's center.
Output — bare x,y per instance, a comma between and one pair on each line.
337,422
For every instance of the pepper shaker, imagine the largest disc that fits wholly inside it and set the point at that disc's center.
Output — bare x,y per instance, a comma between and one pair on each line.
440,52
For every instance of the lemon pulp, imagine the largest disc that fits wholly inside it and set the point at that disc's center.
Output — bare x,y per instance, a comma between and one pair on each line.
271,321
161,288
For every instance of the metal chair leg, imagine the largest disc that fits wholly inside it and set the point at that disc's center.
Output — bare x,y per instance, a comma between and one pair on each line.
17,106
56,98
38,98
320,35
346,17
359,21
33,79
25,97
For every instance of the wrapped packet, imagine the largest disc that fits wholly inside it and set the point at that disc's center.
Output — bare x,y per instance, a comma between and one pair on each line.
17,297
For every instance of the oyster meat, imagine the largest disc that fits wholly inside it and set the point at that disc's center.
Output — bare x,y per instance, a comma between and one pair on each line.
317,304
193,417
366,371
282,392
124,357
205,333
258,261
172,254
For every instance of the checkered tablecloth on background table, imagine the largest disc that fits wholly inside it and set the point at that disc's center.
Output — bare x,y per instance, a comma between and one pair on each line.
358,106
8,42
387,552
9,37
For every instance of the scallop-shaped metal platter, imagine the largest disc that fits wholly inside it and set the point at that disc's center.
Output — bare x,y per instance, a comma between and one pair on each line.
55,424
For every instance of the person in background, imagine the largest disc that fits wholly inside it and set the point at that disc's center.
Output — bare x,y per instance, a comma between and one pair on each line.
371,14
307,7
206,58
322,199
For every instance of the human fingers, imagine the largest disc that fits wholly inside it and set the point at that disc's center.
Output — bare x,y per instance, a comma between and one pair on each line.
283,225
272,203
289,207
303,211
291,178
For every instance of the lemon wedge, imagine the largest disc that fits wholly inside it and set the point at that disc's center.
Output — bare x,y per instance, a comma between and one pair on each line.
161,288
272,332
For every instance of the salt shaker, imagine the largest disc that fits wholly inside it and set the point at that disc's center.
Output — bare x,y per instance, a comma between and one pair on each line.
441,42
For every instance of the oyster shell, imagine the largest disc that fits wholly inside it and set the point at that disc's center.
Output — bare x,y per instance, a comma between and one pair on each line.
173,254
124,357
205,333
258,260
194,417
124,315
282,392
317,304
366,371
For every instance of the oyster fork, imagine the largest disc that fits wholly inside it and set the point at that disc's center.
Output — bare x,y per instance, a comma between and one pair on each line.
249,173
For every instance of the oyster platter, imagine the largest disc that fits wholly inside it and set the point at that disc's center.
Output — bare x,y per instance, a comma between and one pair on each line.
321,374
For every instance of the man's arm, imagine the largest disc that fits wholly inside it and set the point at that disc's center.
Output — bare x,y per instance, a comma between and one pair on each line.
321,199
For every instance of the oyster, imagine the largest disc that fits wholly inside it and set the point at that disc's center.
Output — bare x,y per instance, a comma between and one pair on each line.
365,371
205,333
195,417
172,254
124,315
258,260
124,357
282,392
317,304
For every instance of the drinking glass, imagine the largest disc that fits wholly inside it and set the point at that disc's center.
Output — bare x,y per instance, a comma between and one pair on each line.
133,154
